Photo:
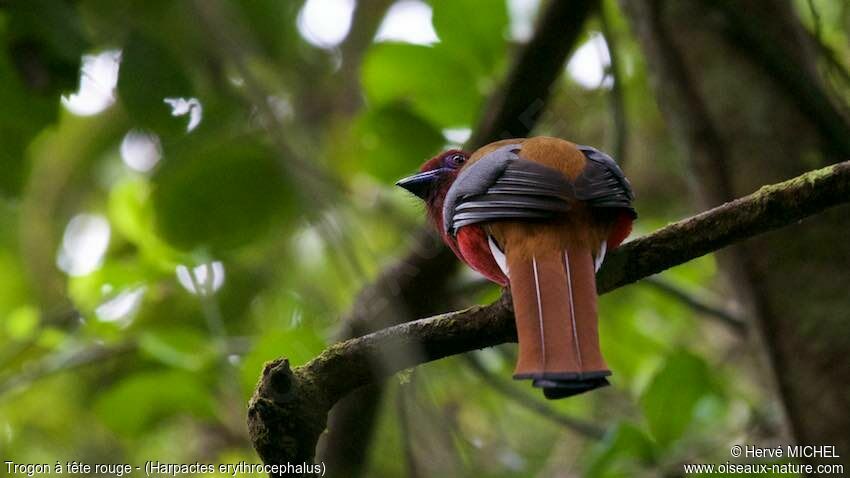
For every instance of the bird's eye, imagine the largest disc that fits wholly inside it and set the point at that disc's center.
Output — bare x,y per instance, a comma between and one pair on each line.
457,159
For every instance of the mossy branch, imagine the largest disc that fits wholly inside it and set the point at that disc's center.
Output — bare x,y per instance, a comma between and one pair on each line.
289,409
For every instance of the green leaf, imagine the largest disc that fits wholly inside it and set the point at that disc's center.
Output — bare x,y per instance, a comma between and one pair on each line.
173,24
13,288
22,322
148,75
51,338
299,345
132,216
474,30
46,41
624,449
142,399
220,193
178,347
273,24
672,396
392,142
629,348
115,275
439,87
42,47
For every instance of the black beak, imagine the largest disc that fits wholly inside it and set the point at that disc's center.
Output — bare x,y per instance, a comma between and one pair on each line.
420,184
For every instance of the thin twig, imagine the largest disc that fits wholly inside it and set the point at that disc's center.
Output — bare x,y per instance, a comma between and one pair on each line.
835,65
815,19
88,354
737,324
579,426
406,435
63,361
618,101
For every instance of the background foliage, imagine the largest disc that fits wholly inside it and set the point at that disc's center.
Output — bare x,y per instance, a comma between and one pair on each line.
232,191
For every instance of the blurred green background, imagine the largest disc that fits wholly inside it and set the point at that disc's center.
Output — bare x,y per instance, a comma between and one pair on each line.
190,189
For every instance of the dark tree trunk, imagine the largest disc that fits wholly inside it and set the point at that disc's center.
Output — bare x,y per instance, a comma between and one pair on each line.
737,83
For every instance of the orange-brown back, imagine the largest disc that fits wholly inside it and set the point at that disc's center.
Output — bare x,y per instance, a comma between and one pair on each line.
578,227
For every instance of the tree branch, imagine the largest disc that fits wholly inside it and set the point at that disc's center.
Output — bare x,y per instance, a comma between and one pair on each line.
617,96
800,82
289,409
832,60
365,21
514,109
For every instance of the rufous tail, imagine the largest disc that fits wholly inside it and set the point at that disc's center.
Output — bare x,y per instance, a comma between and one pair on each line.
554,297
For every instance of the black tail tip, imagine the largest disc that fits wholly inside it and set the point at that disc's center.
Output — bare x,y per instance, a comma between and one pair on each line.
555,389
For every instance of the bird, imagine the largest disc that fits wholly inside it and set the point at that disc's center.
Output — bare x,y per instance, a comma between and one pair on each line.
536,215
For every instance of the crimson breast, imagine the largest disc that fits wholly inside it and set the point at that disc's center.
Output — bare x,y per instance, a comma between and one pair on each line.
475,251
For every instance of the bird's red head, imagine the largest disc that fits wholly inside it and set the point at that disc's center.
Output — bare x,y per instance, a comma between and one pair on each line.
434,180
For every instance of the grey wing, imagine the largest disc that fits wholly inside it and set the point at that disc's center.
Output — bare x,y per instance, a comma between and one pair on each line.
602,183
503,186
